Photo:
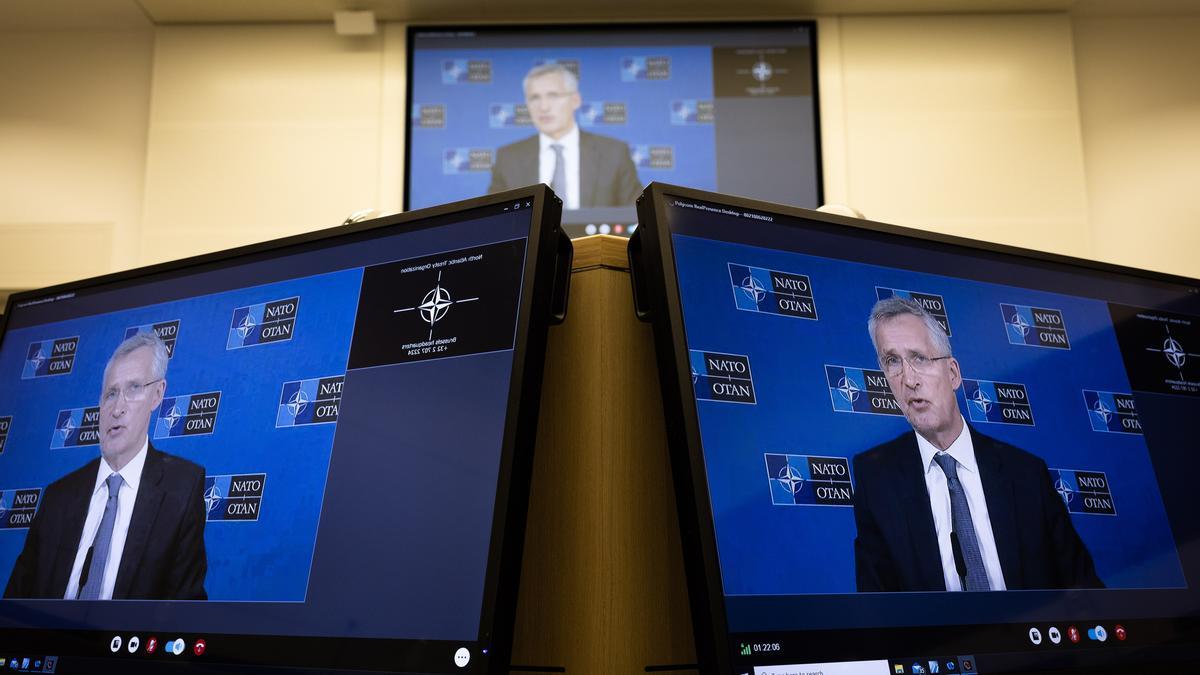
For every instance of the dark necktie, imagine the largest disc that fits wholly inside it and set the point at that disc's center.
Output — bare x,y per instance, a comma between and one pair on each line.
964,528
103,542
559,182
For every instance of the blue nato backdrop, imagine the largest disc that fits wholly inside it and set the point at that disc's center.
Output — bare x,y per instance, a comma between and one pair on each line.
777,448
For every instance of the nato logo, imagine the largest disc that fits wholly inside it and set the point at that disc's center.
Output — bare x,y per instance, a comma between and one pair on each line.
5,425
234,497
466,71
187,415
860,390
17,507
1084,491
429,116
76,427
772,292
639,68
724,378
602,113
934,304
997,402
1112,412
653,156
508,116
50,357
466,160
1035,326
262,324
167,331
691,111
808,480
314,401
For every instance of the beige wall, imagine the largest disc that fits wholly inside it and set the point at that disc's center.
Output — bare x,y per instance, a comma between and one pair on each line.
73,114
1071,135
1139,91
966,125
258,132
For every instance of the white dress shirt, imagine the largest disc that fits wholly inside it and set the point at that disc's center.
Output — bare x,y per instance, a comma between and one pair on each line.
963,452
131,473
546,160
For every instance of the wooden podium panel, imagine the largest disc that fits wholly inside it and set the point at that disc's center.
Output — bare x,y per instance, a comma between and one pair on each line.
602,582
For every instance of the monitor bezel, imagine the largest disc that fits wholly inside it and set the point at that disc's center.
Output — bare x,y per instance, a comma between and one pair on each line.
600,27
657,300
545,282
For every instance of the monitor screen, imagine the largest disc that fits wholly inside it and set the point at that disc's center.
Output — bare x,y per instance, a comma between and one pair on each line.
730,107
908,453
296,454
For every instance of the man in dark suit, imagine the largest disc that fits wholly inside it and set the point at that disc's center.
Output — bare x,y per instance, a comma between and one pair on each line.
584,169
947,508
130,523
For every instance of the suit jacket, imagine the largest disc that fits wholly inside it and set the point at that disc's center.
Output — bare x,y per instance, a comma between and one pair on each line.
164,556
897,549
607,176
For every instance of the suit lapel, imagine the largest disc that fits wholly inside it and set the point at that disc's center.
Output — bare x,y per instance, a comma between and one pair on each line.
587,169
526,169
74,516
998,493
914,503
145,510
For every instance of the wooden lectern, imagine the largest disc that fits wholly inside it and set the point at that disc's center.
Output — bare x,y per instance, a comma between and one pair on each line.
602,582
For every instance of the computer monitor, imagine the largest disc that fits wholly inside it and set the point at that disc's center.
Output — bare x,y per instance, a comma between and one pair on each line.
998,476
323,446
726,106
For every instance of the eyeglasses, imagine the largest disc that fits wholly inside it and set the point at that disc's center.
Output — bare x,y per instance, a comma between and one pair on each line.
133,393
550,97
893,364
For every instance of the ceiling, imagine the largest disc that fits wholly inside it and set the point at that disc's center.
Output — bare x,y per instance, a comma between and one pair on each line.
125,14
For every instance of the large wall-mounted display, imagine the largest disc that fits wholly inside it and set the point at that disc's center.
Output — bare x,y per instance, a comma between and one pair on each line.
714,106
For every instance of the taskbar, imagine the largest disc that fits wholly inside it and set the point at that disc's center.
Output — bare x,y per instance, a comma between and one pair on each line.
1092,646
155,651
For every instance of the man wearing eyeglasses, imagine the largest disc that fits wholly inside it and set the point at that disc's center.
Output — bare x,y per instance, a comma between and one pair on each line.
584,169
130,523
947,508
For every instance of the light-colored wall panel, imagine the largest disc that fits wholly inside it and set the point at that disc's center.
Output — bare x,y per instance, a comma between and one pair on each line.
73,112
258,131
33,255
1139,91
966,125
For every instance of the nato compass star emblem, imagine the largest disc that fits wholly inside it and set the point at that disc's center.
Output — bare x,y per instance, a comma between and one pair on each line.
297,403
173,416
66,428
38,359
762,71
435,305
848,389
1174,352
1064,491
212,497
753,289
1018,322
982,401
245,326
1102,411
791,479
